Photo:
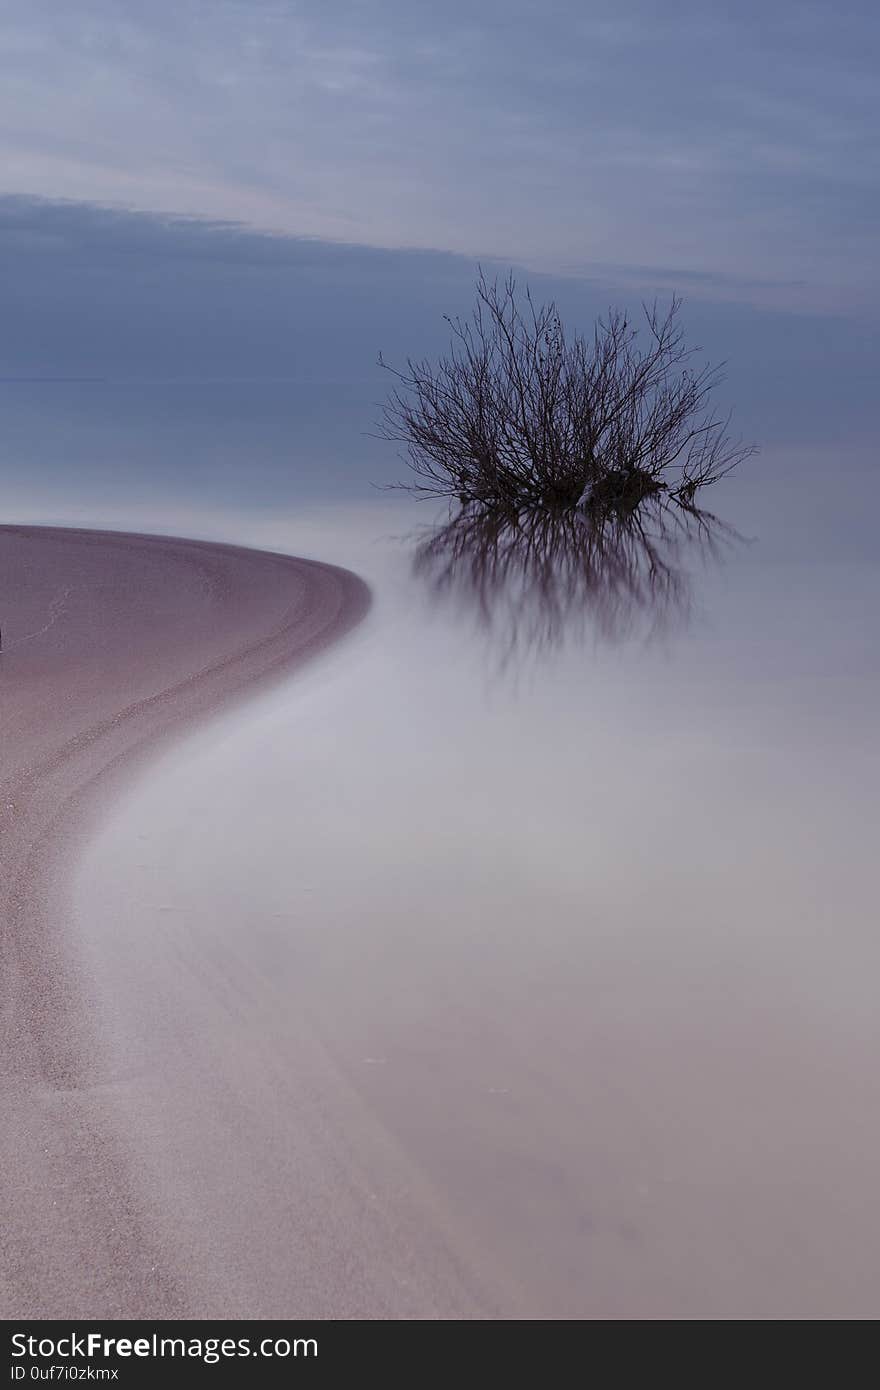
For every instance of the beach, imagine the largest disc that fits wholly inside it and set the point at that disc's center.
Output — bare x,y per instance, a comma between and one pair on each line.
111,643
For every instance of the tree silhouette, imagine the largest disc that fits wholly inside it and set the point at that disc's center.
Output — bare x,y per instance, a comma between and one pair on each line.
517,415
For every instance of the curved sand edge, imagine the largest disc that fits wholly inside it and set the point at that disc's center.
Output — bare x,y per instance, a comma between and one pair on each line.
112,643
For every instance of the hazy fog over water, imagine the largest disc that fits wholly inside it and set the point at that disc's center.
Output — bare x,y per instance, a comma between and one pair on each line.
591,937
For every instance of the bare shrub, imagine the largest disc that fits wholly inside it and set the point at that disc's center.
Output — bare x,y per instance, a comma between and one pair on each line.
516,415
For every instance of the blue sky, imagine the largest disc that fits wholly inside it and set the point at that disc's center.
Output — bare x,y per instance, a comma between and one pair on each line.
730,150
266,194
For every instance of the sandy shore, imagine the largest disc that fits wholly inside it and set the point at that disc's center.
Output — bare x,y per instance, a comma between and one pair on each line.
111,644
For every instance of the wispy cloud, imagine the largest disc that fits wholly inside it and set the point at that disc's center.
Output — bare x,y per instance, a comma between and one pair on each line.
734,141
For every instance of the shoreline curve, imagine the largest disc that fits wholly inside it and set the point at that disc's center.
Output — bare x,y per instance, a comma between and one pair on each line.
114,644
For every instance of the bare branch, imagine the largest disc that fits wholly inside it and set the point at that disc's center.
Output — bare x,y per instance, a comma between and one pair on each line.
515,415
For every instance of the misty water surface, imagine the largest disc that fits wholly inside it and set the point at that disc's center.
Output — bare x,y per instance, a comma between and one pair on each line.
593,937
589,934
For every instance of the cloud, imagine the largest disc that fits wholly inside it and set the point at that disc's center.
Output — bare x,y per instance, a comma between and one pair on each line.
100,292
715,141
153,357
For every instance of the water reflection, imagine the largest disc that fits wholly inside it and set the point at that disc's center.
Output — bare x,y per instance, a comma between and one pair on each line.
535,580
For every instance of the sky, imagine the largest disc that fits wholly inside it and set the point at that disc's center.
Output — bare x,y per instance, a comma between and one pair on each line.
224,211
727,149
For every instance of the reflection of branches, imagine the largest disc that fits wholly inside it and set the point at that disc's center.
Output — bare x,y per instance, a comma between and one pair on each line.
536,578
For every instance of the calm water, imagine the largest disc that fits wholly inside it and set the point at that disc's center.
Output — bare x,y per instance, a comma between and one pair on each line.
233,443
591,934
